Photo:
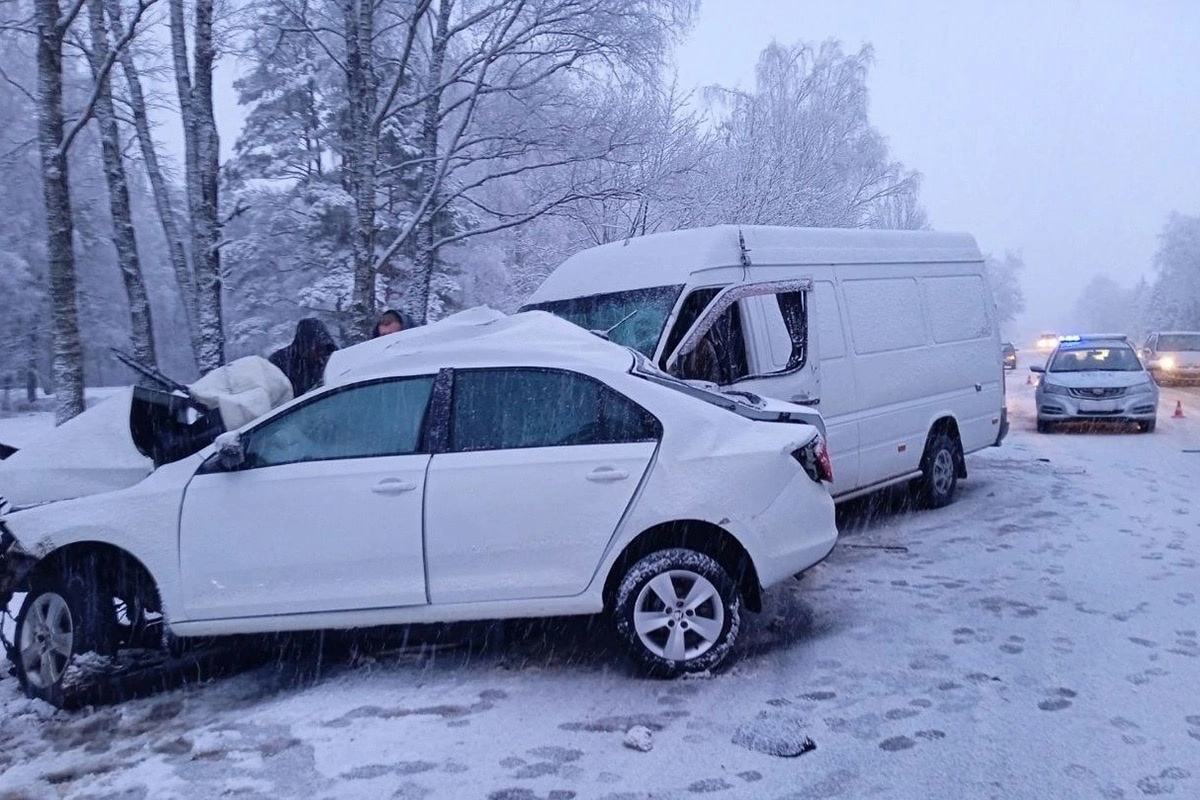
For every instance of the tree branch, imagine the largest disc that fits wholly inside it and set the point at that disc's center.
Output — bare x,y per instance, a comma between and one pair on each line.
102,74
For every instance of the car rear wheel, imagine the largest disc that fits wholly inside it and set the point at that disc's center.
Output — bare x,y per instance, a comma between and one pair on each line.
939,467
677,611
63,616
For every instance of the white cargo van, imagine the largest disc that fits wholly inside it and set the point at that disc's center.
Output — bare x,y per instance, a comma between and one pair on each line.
892,335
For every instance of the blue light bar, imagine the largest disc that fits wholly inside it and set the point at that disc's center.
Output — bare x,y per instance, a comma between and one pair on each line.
1094,337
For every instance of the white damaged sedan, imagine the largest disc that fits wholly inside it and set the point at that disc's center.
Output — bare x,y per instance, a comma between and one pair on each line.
483,467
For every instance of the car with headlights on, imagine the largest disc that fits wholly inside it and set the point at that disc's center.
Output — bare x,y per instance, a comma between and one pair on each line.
482,467
1095,378
1009,353
1046,342
1173,357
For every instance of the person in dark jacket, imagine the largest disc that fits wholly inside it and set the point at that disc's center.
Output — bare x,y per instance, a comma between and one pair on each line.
303,361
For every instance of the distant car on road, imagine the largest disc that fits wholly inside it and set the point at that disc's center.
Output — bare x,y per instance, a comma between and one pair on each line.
1096,379
1010,355
1047,342
1173,357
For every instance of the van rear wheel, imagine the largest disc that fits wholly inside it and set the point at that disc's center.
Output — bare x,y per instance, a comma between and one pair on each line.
939,467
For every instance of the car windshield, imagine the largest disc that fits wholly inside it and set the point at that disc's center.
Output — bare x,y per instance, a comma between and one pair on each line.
1096,359
1179,342
635,318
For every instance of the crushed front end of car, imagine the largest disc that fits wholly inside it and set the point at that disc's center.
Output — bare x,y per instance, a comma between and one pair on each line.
15,565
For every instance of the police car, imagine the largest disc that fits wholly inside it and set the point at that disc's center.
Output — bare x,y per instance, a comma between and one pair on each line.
1095,378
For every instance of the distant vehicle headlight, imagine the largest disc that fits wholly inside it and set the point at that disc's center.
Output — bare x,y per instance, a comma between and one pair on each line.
1167,363
1054,388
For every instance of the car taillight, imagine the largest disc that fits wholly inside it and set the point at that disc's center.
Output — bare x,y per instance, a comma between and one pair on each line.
814,457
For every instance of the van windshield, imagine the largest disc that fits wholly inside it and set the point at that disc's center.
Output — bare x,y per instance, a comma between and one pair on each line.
639,315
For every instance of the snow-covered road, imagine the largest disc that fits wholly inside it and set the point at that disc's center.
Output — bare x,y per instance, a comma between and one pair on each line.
1040,638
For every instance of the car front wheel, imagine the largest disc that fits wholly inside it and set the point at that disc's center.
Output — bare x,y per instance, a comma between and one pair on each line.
1147,427
678,611
62,617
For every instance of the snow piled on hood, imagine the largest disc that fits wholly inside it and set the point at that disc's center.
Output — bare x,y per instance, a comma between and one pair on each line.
89,454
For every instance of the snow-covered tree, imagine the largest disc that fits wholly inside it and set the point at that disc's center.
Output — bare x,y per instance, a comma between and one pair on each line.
1175,298
800,148
1004,276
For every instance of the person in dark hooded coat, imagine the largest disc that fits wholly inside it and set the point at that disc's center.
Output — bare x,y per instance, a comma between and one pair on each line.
303,361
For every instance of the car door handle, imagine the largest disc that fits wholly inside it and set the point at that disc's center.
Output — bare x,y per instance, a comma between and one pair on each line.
393,486
607,475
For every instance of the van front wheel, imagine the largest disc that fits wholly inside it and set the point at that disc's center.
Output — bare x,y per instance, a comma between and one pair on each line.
939,468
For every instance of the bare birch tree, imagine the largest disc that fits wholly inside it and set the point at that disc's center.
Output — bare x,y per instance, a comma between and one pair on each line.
52,24
124,238
194,85
163,204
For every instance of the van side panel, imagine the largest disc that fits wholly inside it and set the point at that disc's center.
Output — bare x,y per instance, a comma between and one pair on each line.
907,378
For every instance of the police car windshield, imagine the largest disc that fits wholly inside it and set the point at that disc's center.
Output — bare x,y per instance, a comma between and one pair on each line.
1095,358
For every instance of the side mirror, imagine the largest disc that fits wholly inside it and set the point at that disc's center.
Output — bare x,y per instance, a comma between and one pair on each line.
229,450
1037,369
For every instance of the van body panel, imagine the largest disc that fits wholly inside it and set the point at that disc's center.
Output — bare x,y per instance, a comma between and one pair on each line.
901,330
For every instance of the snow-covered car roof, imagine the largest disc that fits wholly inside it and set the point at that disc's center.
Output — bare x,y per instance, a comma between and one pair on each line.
671,258
479,337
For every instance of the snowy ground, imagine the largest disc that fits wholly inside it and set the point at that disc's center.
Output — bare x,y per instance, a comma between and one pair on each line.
1040,638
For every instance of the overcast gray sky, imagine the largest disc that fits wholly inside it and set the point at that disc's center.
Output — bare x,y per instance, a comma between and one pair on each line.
1065,129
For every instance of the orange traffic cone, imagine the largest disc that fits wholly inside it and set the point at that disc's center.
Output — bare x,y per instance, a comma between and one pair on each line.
1178,410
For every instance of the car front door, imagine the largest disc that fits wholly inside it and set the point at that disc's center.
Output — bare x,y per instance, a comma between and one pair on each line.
539,467
324,513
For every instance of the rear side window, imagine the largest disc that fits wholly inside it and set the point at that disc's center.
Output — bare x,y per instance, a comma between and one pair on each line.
958,310
885,314
506,409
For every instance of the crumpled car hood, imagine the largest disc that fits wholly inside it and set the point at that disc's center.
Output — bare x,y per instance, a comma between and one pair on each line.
92,453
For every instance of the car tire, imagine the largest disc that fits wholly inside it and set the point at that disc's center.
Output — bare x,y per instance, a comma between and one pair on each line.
672,635
1147,427
64,615
1043,427
939,467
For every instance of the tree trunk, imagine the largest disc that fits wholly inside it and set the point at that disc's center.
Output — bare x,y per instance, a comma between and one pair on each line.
158,184
426,234
362,155
60,252
124,238
202,163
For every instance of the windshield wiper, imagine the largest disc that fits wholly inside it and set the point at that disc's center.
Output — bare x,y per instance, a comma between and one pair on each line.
605,334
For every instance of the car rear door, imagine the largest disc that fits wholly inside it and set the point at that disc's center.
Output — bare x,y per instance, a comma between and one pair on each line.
324,515
539,467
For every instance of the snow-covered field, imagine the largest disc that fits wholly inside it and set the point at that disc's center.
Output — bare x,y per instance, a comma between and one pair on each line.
1040,638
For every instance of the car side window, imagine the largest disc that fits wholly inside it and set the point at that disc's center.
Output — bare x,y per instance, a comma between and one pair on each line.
364,421
504,409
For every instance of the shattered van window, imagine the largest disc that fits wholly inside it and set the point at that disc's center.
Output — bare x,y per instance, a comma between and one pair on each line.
635,318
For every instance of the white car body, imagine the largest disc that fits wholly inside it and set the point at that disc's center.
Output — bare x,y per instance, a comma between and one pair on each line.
437,535
900,336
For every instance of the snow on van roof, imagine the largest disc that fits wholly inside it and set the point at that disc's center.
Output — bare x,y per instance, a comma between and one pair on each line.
478,337
672,258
